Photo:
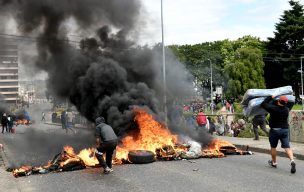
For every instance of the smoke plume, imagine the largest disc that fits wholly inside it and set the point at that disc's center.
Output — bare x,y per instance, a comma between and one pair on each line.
109,73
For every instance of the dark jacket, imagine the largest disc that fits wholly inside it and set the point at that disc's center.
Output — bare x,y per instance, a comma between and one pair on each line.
4,120
63,117
278,114
104,131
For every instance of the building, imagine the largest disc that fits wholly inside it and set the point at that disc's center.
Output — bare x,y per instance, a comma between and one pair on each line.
9,84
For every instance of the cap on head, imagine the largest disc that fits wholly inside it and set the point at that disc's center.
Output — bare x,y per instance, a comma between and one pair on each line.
283,99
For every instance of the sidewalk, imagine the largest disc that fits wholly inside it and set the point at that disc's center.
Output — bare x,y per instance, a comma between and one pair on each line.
59,124
262,146
8,182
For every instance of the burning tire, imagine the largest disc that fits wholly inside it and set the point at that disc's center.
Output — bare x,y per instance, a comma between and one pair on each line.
141,156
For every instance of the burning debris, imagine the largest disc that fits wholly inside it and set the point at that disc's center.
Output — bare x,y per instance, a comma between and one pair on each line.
67,160
152,142
23,122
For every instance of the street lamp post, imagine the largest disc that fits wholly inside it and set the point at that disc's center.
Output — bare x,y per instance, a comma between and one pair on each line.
302,83
211,88
164,63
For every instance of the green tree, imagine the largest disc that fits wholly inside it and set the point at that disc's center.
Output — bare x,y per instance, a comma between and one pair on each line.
197,60
285,48
243,65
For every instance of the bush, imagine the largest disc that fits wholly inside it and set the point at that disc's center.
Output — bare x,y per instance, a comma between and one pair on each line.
218,106
238,107
188,114
248,132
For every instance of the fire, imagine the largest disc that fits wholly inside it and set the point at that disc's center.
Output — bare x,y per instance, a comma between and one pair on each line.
67,157
219,148
84,155
24,170
151,135
87,158
22,122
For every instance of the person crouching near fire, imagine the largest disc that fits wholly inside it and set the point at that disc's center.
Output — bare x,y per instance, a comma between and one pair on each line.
106,142
278,123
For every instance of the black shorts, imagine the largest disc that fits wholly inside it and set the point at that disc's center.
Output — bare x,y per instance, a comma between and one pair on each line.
277,134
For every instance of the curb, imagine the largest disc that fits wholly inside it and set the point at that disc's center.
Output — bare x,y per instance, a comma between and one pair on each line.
3,155
58,124
267,151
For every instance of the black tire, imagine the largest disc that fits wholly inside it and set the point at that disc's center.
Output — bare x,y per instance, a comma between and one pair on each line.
141,156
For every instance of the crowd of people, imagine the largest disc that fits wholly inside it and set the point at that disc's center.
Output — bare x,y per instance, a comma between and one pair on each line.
7,123
214,124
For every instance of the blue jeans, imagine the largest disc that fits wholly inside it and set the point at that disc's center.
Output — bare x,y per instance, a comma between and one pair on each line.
277,134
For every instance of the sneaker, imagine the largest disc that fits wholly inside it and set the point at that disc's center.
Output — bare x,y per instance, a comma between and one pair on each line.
107,170
272,164
293,167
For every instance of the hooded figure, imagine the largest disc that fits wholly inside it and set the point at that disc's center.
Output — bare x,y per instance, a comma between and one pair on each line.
106,142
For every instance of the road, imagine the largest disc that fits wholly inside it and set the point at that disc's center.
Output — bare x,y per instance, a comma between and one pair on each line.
40,143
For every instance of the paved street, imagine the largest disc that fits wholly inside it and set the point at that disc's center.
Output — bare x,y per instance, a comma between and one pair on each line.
38,143
233,173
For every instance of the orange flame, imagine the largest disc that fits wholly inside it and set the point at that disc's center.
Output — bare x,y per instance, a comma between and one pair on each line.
69,156
23,122
152,135
24,169
84,155
214,148
216,144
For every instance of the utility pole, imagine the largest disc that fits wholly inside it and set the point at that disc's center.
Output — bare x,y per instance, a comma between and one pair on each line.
302,83
164,63
211,88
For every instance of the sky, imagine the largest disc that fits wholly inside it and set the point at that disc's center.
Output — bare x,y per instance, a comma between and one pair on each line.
197,21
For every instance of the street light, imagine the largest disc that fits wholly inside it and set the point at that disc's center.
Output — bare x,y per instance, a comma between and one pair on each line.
302,82
164,63
211,89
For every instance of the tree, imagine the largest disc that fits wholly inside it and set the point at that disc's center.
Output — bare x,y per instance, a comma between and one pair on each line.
243,65
284,50
197,60
237,65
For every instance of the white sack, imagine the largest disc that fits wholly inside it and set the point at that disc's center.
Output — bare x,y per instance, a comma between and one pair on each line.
254,93
254,105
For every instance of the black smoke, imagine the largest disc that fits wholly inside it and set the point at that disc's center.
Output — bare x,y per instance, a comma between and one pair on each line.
108,74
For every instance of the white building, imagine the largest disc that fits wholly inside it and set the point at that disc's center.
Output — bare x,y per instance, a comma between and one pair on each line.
9,70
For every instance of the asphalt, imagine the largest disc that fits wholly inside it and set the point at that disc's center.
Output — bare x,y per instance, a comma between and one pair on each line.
260,146
8,182
263,146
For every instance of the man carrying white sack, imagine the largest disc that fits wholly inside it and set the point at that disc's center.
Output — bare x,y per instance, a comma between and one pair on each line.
279,128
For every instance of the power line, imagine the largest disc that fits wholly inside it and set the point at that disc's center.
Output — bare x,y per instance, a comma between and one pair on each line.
274,53
280,59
